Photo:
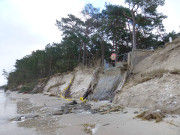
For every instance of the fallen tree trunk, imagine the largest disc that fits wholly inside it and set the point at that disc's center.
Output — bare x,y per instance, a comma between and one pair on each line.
93,83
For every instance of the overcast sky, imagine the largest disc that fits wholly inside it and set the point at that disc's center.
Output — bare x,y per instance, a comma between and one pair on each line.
28,25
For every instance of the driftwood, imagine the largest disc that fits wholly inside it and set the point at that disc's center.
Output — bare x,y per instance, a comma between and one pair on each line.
121,84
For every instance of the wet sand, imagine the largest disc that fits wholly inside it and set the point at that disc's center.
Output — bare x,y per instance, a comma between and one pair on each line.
121,122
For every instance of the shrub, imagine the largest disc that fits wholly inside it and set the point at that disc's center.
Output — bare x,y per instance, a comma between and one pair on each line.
27,88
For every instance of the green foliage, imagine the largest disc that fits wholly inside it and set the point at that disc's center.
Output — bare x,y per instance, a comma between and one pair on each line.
145,19
115,27
4,87
28,87
5,74
42,63
24,89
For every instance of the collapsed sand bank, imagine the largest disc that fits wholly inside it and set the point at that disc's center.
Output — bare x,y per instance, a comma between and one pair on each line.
103,83
158,93
155,81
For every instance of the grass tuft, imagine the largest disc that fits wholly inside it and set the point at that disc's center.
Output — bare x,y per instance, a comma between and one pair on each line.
88,128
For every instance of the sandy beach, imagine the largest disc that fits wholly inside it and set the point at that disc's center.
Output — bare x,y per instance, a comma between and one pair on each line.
80,123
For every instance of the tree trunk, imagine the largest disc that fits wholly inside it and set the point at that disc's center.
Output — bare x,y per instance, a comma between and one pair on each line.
86,58
102,52
116,52
93,83
133,32
50,66
130,33
79,55
84,53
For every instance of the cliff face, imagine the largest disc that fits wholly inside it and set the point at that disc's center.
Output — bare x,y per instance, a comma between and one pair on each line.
107,84
155,82
166,58
60,82
104,83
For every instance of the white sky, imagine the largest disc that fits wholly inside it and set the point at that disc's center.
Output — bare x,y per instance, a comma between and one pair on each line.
28,25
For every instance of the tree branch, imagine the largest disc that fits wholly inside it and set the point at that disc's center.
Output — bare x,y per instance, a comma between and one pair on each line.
124,14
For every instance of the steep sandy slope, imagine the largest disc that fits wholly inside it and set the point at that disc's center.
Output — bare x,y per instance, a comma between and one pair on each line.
164,58
155,83
104,87
107,84
59,82
81,82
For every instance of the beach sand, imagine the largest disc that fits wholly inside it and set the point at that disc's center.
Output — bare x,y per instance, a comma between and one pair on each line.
82,123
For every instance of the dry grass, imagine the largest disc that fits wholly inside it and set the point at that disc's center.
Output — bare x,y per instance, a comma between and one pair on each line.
52,95
55,85
43,80
144,77
155,73
95,100
150,115
116,108
172,123
135,79
175,71
142,80
88,128
175,41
